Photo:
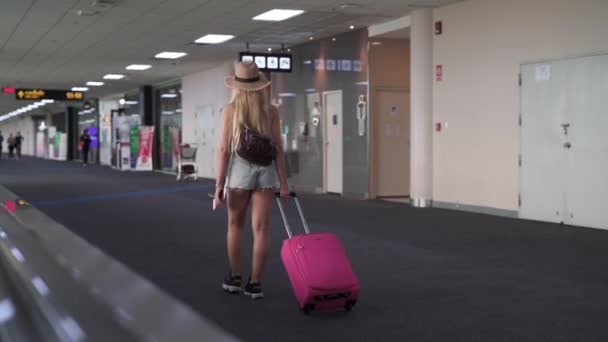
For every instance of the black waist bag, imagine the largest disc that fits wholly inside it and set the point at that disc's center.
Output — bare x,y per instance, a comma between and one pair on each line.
255,148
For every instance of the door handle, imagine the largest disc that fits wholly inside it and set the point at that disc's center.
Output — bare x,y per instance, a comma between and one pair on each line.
567,145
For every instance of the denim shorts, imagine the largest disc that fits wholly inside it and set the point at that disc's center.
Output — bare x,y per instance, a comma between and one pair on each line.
248,176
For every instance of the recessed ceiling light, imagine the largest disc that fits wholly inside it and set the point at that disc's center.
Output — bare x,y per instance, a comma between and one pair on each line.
269,49
113,77
376,43
311,38
170,55
214,39
333,39
138,67
278,15
80,89
48,101
352,27
95,84
168,96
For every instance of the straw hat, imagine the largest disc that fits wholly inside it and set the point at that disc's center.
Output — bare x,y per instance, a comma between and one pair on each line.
247,77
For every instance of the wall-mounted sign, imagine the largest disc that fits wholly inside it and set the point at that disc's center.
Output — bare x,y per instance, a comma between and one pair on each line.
8,90
268,62
48,94
438,27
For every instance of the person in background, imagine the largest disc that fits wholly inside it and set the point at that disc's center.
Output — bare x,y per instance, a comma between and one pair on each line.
18,143
85,141
11,145
1,142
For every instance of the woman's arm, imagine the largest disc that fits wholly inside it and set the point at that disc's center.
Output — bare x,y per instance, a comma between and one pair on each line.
223,150
280,162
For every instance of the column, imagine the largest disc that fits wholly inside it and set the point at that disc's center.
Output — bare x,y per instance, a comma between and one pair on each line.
73,133
421,181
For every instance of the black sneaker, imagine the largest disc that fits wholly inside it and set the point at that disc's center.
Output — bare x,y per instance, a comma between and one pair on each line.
253,290
232,283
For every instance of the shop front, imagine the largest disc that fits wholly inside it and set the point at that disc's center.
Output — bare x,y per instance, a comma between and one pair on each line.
169,112
88,120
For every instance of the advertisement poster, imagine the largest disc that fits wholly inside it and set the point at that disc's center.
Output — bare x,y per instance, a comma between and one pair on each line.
94,133
125,155
63,146
122,137
166,150
57,146
134,132
105,139
144,157
40,150
175,144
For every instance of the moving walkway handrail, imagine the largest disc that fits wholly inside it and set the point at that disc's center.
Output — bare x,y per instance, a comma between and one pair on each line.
86,295
37,301
52,320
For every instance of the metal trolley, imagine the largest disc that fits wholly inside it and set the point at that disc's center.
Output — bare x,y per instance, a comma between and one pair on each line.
186,166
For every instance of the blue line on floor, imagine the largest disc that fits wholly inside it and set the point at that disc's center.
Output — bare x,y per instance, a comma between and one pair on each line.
120,195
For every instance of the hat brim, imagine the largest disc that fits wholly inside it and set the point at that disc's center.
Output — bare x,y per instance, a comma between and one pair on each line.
257,85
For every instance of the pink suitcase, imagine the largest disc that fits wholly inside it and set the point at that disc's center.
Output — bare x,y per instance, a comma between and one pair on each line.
320,272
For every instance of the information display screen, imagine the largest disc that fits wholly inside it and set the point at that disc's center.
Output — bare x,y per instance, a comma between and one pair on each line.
268,62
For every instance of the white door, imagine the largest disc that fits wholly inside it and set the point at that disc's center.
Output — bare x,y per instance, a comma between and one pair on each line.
542,159
332,110
587,182
564,146
206,124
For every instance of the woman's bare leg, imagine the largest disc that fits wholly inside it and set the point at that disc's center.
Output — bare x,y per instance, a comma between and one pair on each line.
238,200
261,205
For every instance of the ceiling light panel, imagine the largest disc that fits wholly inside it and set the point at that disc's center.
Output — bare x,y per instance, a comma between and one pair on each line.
170,55
278,15
138,67
113,77
214,39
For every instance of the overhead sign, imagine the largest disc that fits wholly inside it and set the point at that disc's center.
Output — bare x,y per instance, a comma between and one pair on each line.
48,94
268,61
8,90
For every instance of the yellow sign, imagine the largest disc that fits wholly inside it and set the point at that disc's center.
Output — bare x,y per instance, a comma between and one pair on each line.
33,94
49,94
73,95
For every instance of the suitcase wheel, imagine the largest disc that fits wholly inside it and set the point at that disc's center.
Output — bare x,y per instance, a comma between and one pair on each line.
349,305
308,308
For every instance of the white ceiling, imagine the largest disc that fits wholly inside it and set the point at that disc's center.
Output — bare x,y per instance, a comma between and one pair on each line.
46,44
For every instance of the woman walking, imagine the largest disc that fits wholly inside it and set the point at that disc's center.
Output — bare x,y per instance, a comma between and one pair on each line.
249,161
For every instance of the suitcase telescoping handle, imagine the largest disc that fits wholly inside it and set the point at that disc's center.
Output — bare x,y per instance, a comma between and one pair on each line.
287,226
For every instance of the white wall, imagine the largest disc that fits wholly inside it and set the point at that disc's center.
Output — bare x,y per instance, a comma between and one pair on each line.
23,124
203,96
475,159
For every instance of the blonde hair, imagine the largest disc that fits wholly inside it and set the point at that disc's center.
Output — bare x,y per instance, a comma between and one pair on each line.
250,111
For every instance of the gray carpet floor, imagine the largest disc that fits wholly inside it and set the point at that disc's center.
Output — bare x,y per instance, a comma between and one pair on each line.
426,274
